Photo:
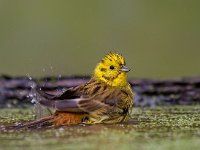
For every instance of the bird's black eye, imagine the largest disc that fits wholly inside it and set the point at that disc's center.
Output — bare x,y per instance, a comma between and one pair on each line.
112,67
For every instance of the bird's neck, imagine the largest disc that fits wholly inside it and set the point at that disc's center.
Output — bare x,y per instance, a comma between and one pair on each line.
120,81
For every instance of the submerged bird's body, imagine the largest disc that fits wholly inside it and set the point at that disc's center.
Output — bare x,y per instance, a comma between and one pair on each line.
106,98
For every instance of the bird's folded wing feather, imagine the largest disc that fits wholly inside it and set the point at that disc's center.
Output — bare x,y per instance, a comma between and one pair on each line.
68,94
76,103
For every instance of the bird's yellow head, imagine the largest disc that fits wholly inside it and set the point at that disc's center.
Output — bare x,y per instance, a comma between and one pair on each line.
112,70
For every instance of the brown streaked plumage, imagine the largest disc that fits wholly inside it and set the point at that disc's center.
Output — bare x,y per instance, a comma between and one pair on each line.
106,98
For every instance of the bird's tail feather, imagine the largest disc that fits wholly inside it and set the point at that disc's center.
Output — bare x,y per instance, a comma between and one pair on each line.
43,122
56,120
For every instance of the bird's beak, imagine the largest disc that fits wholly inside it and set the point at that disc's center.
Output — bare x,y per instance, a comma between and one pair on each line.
124,69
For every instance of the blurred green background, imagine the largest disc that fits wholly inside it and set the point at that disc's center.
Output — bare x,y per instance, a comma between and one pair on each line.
159,39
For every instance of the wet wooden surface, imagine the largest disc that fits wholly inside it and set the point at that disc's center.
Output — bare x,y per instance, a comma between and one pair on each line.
18,91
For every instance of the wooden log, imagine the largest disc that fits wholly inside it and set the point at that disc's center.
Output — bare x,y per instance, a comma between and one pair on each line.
17,91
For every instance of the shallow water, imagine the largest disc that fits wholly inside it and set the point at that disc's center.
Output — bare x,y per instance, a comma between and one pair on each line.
176,127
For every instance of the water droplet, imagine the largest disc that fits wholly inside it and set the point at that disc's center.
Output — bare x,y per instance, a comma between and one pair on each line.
29,77
33,100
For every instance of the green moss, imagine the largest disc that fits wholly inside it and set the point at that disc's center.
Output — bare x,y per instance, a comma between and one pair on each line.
15,115
174,127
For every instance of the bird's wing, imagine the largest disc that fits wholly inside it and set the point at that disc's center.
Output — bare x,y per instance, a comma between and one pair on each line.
74,103
106,102
65,101
68,94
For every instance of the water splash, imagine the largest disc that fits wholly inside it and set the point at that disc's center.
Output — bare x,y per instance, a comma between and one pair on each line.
32,95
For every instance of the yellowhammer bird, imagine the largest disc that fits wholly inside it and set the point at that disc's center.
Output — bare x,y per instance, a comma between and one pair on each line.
106,98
